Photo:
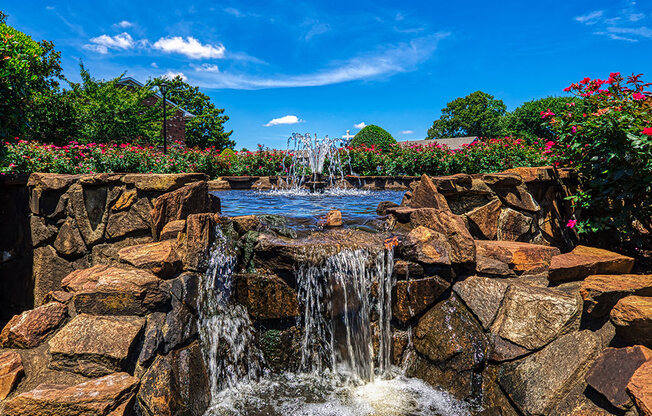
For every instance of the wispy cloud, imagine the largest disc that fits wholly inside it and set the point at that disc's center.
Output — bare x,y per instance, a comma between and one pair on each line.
317,29
591,18
360,125
189,47
402,57
289,119
623,25
103,43
407,132
206,68
123,24
171,75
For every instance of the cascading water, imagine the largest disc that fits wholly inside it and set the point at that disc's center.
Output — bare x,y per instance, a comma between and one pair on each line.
346,310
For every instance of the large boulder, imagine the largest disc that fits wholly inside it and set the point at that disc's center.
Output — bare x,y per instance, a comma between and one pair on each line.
412,297
601,292
534,316
485,219
172,229
11,370
426,195
175,384
517,197
483,296
107,396
28,329
510,258
632,317
109,290
640,389
266,297
195,242
135,220
539,381
450,225
177,205
159,258
426,246
584,261
513,225
613,370
96,345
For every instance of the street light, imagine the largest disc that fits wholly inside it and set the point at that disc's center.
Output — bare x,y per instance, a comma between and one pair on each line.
163,87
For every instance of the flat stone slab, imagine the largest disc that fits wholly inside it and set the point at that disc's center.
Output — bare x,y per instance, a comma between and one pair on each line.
411,297
601,292
106,396
632,317
28,329
584,261
11,370
159,258
511,258
95,345
109,290
640,389
612,371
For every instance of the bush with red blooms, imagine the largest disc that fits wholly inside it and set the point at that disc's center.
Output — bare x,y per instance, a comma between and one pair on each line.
609,141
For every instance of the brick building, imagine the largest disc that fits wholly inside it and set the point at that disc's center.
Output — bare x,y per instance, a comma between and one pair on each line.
176,117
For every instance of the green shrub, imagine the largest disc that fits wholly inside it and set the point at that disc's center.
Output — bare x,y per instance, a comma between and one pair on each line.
373,135
227,153
526,121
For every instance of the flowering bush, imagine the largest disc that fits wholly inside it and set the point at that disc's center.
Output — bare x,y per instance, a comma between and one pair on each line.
484,156
609,142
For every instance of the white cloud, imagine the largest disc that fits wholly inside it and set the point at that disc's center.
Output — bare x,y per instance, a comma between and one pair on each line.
154,65
189,47
402,57
360,125
206,68
123,24
283,120
49,7
103,43
642,31
317,29
635,17
171,75
233,11
407,132
591,18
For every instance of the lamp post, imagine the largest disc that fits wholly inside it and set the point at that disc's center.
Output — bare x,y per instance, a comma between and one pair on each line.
164,89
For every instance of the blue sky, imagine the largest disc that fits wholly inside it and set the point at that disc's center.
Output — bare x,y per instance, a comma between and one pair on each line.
327,66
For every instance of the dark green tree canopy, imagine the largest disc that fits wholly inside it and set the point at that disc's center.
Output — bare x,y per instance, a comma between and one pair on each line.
373,135
477,114
526,121
207,127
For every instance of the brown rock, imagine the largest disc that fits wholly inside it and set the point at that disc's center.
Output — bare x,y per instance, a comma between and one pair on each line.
162,182
513,226
196,242
90,206
245,223
136,220
503,350
69,241
505,258
383,205
334,218
537,382
58,296
51,181
42,232
267,297
177,205
640,389
502,179
518,197
426,246
532,317
426,195
411,297
160,258
632,317
584,261
172,229
601,292
176,384
483,296
126,200
48,271
612,371
100,397
401,213
96,345
108,290
28,329
485,218
405,270
450,225
11,371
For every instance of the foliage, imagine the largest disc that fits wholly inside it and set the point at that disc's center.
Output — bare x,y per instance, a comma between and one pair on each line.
27,70
373,135
478,114
206,128
526,121
609,142
109,112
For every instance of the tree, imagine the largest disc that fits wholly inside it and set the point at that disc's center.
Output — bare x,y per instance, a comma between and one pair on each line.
107,111
373,135
477,114
27,69
207,127
526,121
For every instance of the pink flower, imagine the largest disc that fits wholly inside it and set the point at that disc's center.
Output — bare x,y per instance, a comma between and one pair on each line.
638,96
574,129
571,223
647,131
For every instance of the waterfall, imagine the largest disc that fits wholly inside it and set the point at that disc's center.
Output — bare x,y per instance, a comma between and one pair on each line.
226,331
340,298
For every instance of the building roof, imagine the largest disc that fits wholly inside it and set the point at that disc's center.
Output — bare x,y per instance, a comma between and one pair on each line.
453,143
135,83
